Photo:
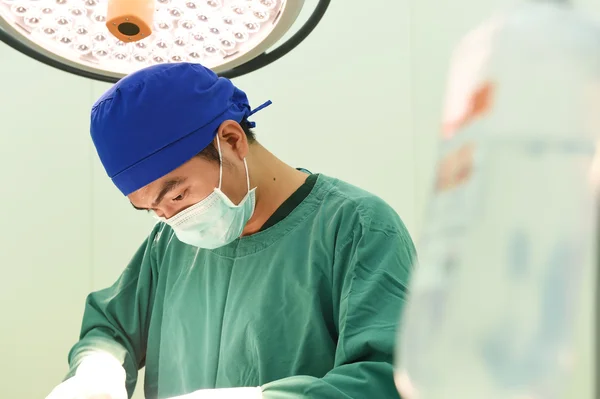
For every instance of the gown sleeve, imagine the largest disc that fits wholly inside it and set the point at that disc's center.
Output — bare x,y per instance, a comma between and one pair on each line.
375,267
116,319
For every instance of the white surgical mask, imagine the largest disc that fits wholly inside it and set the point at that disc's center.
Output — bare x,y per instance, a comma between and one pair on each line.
215,221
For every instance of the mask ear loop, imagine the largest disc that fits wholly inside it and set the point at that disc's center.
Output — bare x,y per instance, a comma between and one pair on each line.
247,174
220,161
221,166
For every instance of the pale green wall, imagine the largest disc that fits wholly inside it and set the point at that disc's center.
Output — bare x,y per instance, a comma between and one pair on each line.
359,100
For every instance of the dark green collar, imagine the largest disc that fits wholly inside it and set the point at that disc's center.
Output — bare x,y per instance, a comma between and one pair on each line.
291,203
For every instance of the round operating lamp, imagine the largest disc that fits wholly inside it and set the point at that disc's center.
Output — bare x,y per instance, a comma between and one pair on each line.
108,39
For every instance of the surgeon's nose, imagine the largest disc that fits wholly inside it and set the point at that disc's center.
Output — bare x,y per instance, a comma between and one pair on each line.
166,212
159,214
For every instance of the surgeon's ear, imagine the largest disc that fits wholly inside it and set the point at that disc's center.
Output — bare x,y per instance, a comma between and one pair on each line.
232,135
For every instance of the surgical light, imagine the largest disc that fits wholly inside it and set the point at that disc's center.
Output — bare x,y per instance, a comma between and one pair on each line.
107,39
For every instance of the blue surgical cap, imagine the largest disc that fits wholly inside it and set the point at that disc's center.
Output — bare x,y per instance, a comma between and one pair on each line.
154,120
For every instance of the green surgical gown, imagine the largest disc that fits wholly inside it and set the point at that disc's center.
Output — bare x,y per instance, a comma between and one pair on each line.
306,308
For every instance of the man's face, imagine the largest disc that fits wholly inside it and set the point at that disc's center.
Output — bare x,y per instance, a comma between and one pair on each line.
197,178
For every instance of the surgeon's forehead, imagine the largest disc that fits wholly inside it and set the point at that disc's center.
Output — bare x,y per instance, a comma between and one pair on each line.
146,193
151,188
189,170
139,199
148,189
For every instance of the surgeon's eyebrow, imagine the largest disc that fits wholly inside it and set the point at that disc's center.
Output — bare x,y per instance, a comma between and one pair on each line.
166,188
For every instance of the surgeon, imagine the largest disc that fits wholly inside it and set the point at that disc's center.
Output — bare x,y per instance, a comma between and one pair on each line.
259,280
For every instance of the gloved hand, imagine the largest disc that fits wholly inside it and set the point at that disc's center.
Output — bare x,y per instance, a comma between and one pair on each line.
225,393
99,376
